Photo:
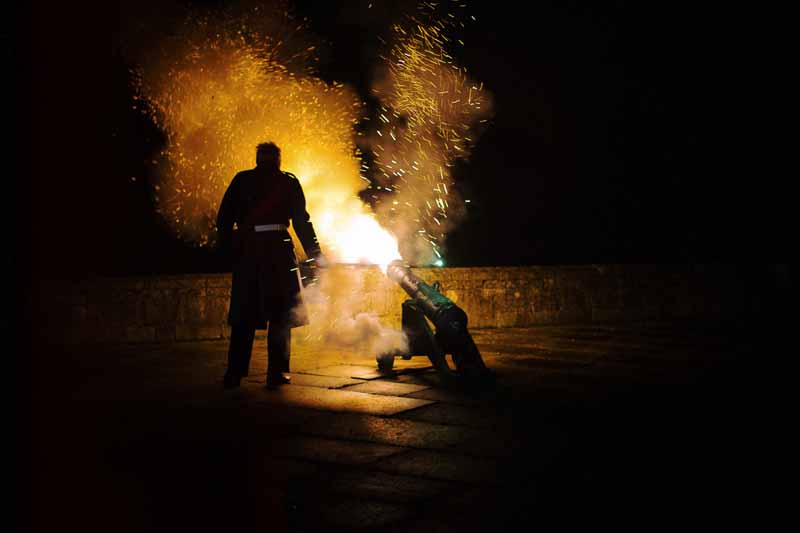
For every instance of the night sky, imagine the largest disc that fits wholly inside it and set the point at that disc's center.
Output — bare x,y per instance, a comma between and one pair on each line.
622,133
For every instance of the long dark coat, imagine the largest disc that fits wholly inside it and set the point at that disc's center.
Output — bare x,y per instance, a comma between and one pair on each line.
266,279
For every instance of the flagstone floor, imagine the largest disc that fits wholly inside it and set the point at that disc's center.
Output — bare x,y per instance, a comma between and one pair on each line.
640,426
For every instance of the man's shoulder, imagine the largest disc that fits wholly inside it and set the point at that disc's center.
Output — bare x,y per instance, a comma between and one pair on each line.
293,181
244,173
239,176
243,177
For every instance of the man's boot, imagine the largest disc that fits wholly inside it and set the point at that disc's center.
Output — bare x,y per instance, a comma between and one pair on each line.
276,380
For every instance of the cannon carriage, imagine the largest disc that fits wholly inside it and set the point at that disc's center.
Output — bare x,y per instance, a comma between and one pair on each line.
428,306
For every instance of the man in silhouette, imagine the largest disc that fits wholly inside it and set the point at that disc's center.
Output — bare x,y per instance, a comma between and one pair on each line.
266,279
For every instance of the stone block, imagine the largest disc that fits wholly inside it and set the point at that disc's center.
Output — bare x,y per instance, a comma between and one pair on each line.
347,371
161,307
501,284
572,315
188,332
444,466
386,388
219,281
139,334
323,382
506,318
332,450
165,333
342,400
606,314
352,514
216,310
177,282
192,306
543,316
491,297
454,415
386,487
115,306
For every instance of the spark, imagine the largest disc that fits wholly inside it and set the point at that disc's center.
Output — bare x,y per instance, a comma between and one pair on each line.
224,84
438,105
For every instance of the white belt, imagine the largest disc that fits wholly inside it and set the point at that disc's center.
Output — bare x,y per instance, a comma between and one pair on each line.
270,227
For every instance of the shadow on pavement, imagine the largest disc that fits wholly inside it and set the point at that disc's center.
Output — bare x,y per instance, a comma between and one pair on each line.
672,434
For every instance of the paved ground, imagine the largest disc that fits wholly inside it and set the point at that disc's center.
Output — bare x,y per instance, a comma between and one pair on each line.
640,426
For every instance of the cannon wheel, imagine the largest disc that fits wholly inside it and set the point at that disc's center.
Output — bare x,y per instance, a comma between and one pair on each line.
385,362
439,362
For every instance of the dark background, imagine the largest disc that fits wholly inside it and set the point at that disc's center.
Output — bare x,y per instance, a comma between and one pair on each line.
623,132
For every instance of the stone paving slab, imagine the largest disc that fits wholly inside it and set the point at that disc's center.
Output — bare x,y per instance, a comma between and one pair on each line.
442,466
427,377
523,358
387,388
447,396
341,400
347,371
451,414
348,515
336,451
384,430
450,524
410,366
283,468
387,486
552,437
325,382
541,444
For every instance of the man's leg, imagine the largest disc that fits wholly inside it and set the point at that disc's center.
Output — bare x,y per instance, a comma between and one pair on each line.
240,350
279,341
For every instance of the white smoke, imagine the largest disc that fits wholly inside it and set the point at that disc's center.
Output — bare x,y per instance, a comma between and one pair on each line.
365,330
336,305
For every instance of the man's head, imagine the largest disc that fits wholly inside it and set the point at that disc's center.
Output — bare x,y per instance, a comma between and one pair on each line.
268,155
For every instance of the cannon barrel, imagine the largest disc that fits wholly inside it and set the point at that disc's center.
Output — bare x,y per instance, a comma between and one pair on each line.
449,319
434,304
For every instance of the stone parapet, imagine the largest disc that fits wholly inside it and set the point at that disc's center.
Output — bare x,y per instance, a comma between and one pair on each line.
194,306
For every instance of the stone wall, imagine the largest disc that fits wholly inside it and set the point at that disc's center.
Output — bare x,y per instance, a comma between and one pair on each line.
192,307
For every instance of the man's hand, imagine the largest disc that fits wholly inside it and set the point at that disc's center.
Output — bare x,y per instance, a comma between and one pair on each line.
316,259
321,261
313,267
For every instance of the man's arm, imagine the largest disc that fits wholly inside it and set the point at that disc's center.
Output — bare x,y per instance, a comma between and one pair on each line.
301,222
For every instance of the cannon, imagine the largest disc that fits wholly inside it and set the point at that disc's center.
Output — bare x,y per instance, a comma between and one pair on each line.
426,306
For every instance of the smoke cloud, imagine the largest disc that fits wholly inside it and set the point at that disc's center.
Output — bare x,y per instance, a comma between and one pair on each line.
335,306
